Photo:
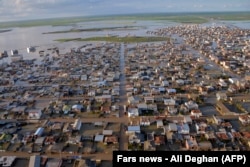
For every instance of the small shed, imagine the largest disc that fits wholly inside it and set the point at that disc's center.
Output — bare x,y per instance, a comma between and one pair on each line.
77,124
110,140
39,131
142,106
159,123
99,138
35,114
77,107
107,132
98,124
171,91
133,112
133,129
187,119
221,96
172,127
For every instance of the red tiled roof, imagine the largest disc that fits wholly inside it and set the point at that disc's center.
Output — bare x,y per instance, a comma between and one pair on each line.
226,124
159,140
244,117
222,136
196,111
111,139
236,134
246,134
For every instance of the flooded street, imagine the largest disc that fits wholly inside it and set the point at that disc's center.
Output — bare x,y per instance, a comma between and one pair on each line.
21,38
123,97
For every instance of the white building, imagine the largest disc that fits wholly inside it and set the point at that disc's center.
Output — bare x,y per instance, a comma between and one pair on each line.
133,112
14,52
101,83
191,105
31,49
165,83
39,132
84,77
201,128
134,138
221,96
197,113
222,83
244,119
169,102
159,123
133,129
233,80
172,127
77,124
133,100
171,91
180,82
144,121
7,161
172,110
16,57
187,119
35,114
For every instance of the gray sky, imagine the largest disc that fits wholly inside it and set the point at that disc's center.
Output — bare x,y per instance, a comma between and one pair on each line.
35,9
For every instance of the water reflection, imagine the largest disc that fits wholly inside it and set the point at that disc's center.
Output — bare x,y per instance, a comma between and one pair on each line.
21,38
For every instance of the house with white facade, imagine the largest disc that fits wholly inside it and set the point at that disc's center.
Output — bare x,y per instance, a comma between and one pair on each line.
169,102
244,119
221,96
133,112
191,105
165,83
172,127
35,114
200,127
133,129
196,113
183,128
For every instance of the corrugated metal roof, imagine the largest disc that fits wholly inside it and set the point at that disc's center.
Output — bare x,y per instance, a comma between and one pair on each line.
35,161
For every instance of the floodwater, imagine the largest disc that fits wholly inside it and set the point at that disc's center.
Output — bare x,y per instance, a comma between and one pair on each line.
21,38
240,24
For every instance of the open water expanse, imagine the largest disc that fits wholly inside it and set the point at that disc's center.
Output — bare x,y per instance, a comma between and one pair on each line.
21,38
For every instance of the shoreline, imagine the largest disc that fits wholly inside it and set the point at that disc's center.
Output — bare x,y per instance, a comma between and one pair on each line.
3,31
196,18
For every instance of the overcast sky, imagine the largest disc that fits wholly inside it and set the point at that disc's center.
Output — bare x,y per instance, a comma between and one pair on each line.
35,9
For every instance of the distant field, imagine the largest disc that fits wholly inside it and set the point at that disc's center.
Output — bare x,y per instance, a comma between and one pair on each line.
229,16
133,39
179,18
44,22
95,29
173,17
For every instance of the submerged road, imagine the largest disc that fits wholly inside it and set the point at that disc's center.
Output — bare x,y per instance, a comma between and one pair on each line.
96,156
123,121
123,100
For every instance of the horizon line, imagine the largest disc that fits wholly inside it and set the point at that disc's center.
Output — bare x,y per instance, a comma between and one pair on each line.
123,14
